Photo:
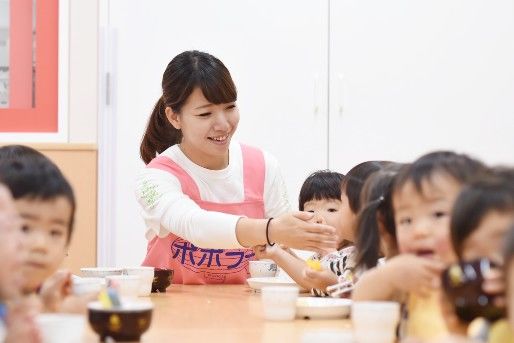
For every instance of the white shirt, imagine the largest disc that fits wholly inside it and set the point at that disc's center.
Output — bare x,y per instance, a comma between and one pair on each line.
166,209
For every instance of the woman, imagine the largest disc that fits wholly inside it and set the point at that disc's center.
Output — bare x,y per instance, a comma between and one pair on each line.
204,193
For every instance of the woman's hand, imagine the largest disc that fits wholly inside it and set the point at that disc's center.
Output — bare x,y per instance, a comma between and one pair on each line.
295,231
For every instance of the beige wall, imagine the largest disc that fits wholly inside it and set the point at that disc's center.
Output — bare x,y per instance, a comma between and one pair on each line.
83,71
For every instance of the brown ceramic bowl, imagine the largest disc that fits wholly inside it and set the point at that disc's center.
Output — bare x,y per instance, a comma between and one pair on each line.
125,324
462,283
162,279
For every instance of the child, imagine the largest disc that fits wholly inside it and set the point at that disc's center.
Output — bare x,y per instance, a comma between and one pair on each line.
16,320
376,234
46,203
423,197
345,201
482,215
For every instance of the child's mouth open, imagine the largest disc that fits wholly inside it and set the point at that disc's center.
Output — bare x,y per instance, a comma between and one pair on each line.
426,253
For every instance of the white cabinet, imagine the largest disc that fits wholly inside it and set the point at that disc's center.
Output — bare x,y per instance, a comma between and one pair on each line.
277,52
407,77
322,83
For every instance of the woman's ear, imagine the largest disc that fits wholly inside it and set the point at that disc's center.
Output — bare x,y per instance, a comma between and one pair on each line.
173,118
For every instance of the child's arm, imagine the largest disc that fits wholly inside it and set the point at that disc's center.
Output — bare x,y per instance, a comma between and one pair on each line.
402,274
292,265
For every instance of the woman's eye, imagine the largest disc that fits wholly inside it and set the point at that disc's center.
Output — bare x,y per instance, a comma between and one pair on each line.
311,211
333,210
231,107
405,221
206,114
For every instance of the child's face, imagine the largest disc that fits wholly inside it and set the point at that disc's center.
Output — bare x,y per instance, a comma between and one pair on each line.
487,239
423,219
11,254
347,219
330,211
45,235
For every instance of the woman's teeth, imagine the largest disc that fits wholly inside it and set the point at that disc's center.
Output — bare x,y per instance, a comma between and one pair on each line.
219,139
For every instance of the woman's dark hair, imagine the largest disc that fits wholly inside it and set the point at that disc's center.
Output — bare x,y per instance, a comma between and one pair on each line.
30,174
185,72
459,166
377,209
354,181
475,201
322,184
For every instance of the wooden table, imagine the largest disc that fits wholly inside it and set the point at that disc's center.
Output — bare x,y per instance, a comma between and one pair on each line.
222,313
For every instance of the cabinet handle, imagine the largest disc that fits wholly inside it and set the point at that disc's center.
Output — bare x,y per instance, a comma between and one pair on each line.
340,93
317,93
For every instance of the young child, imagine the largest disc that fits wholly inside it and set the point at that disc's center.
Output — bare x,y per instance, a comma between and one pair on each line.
46,204
16,320
423,196
376,234
344,197
482,215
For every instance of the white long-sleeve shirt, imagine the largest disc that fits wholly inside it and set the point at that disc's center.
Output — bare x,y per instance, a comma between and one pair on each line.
165,208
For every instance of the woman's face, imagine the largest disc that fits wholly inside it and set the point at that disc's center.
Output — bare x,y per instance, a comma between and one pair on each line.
206,129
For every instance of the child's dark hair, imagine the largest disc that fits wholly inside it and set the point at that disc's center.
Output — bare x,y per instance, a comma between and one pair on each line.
475,201
354,181
508,247
185,72
322,184
461,167
377,209
30,174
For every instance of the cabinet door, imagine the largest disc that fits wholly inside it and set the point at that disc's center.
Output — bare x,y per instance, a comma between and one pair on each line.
408,77
276,52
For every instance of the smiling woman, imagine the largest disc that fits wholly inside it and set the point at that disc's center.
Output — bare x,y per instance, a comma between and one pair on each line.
204,197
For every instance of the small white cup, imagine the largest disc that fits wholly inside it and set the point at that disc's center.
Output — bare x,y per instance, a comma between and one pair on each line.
61,327
375,321
145,274
263,268
279,302
127,285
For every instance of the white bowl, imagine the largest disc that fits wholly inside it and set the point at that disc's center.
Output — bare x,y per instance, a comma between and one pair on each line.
61,327
100,271
127,285
322,308
146,275
263,268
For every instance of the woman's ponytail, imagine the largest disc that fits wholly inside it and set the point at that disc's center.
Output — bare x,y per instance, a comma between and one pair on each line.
159,134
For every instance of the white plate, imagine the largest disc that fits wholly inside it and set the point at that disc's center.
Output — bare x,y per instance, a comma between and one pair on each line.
258,282
322,308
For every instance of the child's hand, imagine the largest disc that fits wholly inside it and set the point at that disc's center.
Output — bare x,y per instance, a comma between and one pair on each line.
266,251
20,323
319,279
55,289
410,273
494,284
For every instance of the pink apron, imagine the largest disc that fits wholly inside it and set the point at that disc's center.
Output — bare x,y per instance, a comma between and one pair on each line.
192,264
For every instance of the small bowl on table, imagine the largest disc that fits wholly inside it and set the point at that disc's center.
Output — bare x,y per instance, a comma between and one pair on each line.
123,324
162,279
